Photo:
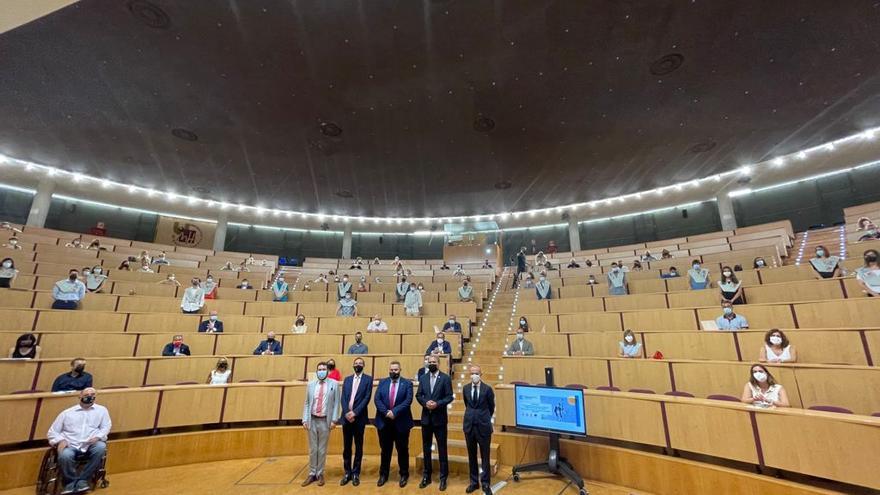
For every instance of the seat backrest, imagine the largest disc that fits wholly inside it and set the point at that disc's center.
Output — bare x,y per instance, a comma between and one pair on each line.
834,409
608,389
641,391
728,398
678,393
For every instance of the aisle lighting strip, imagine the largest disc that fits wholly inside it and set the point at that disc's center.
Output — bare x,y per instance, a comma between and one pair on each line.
172,197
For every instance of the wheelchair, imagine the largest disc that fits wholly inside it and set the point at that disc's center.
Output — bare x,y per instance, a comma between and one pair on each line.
50,482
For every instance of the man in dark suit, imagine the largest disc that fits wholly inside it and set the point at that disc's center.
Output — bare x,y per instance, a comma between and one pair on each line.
212,324
268,347
435,393
176,347
439,346
479,406
393,421
357,389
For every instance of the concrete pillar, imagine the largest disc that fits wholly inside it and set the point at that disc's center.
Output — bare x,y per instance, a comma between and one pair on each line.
346,242
41,203
220,231
725,210
574,234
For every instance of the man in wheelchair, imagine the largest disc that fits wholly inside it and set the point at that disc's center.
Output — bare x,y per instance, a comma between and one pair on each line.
79,434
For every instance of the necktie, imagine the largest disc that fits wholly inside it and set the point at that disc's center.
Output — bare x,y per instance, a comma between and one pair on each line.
475,394
393,393
319,402
433,381
354,386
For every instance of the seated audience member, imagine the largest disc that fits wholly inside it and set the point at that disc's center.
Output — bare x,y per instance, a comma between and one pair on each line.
542,288
444,266
637,266
591,280
176,347
268,347
220,374
698,277
347,306
616,281
459,271
79,433
169,279
95,279
530,281
357,264
336,279
672,273
250,260
75,379
227,267
210,287
524,324
540,259
8,273
68,292
868,229
588,263
759,263
465,292
8,226
629,347
193,298
12,243
358,347
299,325
332,372
320,279
421,287
25,347
76,243
280,289
451,325
377,325
665,255
573,263
520,346
486,264
777,349
730,287
729,320
162,259
868,276
145,267
762,390
825,265
412,302
439,346
212,324
623,267
307,287
648,257
737,268
96,245
244,285
243,267
362,286
124,266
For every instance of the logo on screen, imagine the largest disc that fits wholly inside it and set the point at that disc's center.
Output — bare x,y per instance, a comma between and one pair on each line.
186,234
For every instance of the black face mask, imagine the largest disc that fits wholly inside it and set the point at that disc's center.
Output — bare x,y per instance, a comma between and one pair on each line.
79,368
72,277
87,399
870,258
358,369
358,340
331,366
393,375
432,368
222,367
270,339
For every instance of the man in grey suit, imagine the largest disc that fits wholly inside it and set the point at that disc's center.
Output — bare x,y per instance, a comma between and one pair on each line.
521,346
320,410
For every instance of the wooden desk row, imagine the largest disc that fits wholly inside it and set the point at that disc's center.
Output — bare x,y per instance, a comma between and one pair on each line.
22,375
839,447
856,388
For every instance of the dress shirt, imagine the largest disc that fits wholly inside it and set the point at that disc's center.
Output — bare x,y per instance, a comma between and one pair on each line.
77,425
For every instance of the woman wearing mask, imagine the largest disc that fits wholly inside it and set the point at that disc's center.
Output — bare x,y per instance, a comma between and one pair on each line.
125,266
465,292
332,372
665,254
322,279
12,243
347,306
591,280
777,349
220,374
95,278
170,279
524,324
542,288
731,287
412,302
698,277
25,347
228,267
145,266
540,259
210,288
762,390
759,263
573,263
637,266
868,276
868,229
7,273
825,265
299,325
629,347
280,290
193,298
616,281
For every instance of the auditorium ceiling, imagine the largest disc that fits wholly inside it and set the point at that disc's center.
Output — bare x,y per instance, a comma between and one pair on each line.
432,107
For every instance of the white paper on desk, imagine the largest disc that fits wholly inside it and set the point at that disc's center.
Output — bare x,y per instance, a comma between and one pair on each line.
708,325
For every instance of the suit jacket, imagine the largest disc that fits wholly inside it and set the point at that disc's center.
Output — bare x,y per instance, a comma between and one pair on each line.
442,395
169,349
218,326
447,347
331,400
403,419
361,399
527,348
264,345
478,415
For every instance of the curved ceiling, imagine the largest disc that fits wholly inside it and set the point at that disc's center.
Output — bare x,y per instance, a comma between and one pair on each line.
432,108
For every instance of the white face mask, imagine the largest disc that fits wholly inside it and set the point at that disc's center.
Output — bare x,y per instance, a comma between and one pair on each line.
760,263
99,270
475,378
7,264
542,279
210,280
760,376
439,340
520,336
87,273
615,269
696,267
213,317
775,339
628,338
452,322
820,253
727,274
244,284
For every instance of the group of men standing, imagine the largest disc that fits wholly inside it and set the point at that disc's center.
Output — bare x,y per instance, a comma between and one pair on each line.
393,421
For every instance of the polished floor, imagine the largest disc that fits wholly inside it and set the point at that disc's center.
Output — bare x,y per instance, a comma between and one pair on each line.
280,475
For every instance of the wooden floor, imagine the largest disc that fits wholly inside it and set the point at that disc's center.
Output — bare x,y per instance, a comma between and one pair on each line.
279,475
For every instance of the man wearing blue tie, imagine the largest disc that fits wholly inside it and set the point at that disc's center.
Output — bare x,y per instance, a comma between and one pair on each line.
393,422
357,390
435,393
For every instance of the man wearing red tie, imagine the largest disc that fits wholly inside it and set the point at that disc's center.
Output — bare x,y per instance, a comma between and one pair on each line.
394,396
319,413
356,392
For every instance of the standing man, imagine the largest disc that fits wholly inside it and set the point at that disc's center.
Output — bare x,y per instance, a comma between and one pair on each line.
80,432
319,413
520,265
435,393
357,389
394,395
479,406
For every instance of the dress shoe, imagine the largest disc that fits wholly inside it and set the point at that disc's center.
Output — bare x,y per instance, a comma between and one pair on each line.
443,485
471,488
321,480
382,480
425,482
487,491
355,480
308,481
403,480
344,481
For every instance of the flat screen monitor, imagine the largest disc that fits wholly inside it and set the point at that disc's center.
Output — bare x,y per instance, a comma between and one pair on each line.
550,409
